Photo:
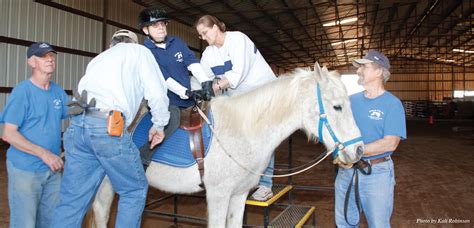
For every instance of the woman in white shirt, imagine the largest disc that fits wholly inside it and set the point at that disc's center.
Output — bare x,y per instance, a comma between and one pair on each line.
235,61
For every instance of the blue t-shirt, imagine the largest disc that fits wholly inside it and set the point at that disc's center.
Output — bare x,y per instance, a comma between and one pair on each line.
38,114
174,61
378,117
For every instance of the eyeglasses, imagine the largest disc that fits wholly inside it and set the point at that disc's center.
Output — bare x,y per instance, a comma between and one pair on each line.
159,24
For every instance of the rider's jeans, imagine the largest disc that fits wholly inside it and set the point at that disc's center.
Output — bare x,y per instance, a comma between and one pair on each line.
90,154
376,194
32,196
265,180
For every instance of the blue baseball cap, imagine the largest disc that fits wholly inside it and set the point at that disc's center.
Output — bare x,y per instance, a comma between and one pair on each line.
373,56
39,49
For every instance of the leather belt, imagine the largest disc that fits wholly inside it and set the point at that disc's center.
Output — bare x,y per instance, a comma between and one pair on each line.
378,160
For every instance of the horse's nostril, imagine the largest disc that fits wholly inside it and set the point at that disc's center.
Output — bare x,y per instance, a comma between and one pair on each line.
360,150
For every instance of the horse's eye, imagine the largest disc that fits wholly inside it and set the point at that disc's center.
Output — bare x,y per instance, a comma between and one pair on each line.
337,107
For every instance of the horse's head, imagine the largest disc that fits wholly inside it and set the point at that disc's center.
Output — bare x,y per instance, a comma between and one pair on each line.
334,126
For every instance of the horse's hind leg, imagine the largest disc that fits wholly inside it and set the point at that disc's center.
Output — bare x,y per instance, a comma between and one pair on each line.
235,214
102,203
217,206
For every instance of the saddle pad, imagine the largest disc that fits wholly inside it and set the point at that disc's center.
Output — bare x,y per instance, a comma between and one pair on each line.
175,151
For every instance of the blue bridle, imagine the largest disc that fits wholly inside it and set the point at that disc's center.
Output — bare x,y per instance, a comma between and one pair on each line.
323,120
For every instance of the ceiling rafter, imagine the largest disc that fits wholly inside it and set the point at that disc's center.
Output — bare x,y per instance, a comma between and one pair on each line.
409,28
279,25
304,28
260,29
422,19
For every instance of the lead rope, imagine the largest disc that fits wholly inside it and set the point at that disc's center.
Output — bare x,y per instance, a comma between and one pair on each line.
327,153
355,178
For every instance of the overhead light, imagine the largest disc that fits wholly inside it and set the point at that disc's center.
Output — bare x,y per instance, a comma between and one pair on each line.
446,60
463,51
345,21
345,41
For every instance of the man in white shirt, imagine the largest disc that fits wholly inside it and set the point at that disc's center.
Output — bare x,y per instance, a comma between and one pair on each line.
117,79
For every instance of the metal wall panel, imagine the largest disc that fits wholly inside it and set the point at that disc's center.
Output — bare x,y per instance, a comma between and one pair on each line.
14,68
31,21
123,11
186,33
94,7
78,32
28,20
70,69
4,9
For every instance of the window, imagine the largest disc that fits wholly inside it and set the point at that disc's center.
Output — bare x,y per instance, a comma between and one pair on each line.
463,93
350,80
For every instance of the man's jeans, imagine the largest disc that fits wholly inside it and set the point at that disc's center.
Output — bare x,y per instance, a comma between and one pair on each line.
32,197
376,195
90,155
264,180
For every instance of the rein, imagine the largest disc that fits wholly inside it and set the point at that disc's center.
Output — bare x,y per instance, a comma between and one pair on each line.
318,160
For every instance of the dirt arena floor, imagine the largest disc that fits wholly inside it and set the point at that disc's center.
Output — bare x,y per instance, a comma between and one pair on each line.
434,174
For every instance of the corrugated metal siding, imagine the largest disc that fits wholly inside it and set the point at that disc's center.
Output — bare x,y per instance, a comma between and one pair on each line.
78,32
89,6
186,33
123,11
27,20
70,69
14,69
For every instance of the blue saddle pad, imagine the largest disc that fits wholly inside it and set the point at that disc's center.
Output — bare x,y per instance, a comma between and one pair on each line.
175,151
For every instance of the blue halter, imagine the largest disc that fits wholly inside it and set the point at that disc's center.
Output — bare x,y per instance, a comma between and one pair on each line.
323,120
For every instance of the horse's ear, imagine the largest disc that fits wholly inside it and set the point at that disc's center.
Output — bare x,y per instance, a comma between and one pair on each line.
321,74
325,70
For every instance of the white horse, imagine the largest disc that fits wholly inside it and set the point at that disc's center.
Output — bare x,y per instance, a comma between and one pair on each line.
249,128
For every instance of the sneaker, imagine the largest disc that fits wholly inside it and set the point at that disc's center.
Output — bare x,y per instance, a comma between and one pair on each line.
263,193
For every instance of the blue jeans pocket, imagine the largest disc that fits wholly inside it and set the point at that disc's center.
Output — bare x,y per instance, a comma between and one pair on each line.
106,146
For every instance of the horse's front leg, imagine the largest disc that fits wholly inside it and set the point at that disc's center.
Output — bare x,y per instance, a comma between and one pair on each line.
102,203
235,214
217,206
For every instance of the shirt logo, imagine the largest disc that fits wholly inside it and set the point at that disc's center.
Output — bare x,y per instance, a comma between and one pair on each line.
179,57
376,114
57,103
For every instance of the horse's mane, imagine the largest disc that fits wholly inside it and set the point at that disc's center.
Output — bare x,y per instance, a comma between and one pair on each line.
264,106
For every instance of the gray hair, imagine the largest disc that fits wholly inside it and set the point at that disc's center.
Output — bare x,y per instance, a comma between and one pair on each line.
385,72
386,75
121,39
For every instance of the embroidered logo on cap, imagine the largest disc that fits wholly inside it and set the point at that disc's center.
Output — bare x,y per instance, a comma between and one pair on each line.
44,45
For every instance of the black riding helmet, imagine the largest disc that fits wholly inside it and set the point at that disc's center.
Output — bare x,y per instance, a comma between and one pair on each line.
151,15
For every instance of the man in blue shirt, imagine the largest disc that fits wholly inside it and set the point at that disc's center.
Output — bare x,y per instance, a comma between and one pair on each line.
381,119
175,60
32,117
